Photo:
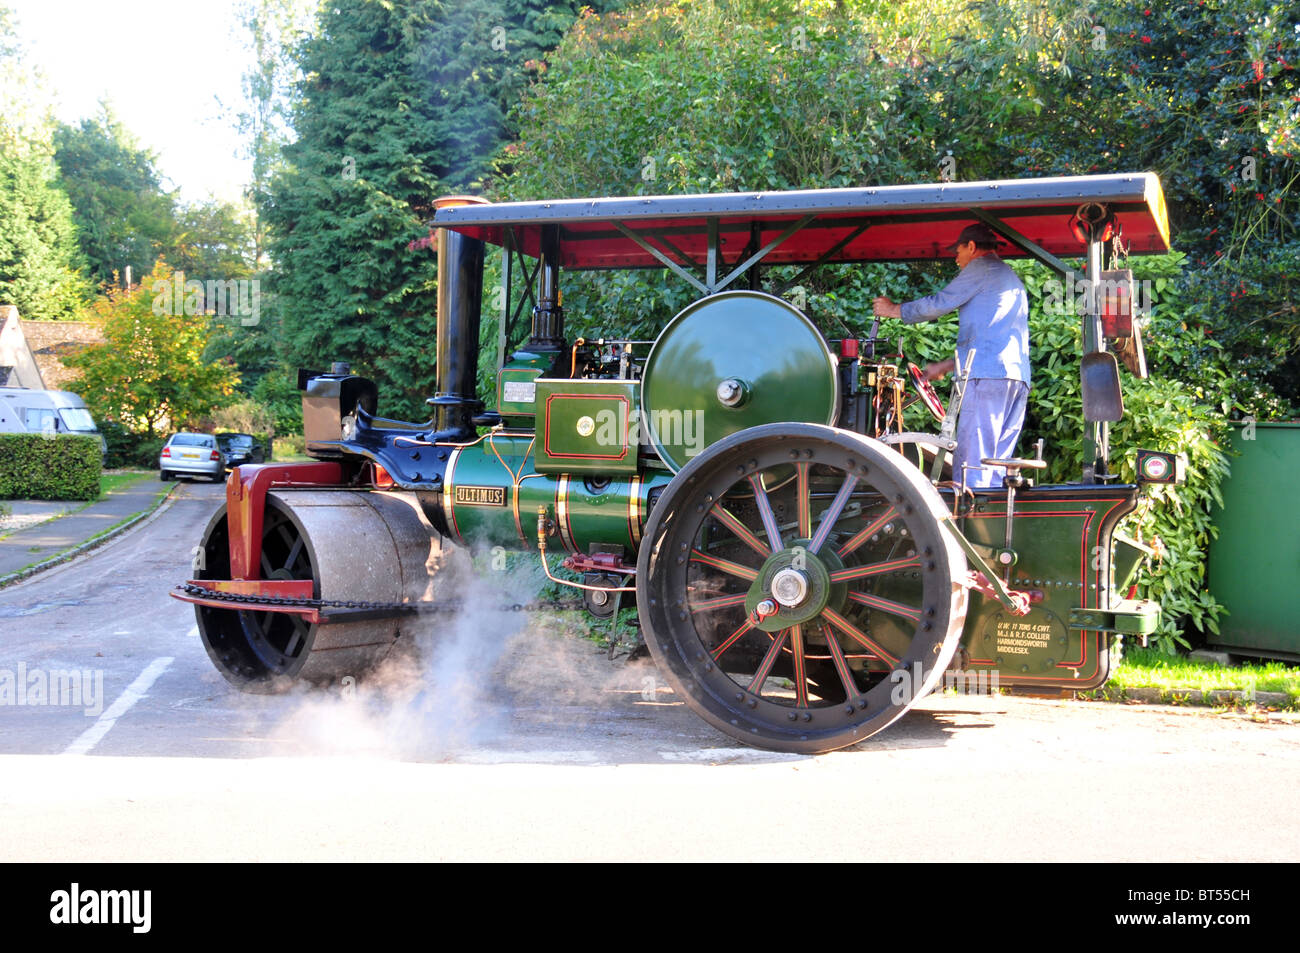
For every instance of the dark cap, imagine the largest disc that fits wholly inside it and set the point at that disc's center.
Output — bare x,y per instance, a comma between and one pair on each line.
981,235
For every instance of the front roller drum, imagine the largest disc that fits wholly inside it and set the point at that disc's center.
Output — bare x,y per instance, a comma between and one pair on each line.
358,546
798,588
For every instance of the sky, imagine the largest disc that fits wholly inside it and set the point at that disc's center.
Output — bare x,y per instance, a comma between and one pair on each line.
170,68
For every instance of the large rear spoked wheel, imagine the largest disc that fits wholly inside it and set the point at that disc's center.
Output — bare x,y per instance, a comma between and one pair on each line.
797,587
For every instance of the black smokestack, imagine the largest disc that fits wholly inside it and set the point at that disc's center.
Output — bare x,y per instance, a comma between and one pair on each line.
460,303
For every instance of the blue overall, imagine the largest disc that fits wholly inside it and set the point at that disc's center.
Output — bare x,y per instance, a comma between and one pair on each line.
993,319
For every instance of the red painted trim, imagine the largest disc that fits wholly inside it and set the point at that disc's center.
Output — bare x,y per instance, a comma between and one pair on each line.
588,456
280,588
246,504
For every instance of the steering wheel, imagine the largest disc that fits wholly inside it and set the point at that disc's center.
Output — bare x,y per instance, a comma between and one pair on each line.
925,390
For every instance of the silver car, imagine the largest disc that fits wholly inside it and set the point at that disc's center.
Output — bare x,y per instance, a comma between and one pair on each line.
191,455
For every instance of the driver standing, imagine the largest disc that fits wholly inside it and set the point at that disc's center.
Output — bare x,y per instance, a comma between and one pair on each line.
993,312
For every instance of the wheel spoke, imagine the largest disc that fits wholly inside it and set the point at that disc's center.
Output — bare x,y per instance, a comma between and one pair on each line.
805,503
285,533
720,602
853,632
875,569
862,535
726,565
293,642
765,512
765,666
294,551
740,529
267,568
841,665
832,513
732,639
888,605
800,669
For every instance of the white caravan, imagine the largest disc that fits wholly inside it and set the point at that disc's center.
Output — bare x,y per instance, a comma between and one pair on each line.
23,410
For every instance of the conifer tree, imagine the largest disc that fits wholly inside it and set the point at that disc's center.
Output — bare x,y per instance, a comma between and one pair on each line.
401,102
40,266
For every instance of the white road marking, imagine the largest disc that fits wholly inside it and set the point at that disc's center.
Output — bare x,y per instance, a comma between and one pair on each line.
193,633
134,692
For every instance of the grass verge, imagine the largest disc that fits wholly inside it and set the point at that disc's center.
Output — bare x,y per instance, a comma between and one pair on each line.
1176,676
111,480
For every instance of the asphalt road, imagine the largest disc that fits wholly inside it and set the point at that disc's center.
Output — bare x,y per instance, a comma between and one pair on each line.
510,740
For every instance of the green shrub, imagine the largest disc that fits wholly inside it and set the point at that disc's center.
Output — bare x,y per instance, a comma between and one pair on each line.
287,447
245,416
40,467
121,445
278,392
127,449
1167,412
146,452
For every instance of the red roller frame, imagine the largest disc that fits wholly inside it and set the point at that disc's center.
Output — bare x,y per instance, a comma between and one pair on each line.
246,504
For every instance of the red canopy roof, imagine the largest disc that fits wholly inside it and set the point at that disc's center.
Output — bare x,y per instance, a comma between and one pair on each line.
889,223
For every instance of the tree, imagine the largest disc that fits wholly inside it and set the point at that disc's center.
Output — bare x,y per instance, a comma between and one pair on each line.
39,260
398,102
40,265
368,156
150,371
214,240
124,216
769,94
276,29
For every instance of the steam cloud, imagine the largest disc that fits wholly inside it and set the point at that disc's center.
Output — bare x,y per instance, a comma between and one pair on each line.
468,680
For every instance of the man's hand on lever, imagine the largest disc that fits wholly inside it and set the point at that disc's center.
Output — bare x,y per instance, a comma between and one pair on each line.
939,369
882,307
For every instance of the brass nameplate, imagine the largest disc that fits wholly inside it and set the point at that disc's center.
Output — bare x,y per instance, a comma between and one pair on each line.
481,495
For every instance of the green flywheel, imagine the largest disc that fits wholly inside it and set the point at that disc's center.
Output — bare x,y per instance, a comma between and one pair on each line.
729,362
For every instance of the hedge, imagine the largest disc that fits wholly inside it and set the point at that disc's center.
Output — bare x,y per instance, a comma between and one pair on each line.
41,467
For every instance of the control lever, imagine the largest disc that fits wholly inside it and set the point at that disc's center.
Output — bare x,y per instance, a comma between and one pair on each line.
1012,481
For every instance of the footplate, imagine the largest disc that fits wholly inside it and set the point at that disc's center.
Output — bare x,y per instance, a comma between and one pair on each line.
1128,617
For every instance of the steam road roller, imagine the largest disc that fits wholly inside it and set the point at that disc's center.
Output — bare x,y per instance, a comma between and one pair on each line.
804,562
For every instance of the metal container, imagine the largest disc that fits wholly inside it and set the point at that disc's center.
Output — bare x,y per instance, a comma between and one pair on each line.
1254,567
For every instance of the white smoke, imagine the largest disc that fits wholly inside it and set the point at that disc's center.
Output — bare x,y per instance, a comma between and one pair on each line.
466,680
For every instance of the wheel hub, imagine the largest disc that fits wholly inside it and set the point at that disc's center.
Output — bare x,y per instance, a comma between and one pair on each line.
799,582
789,587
